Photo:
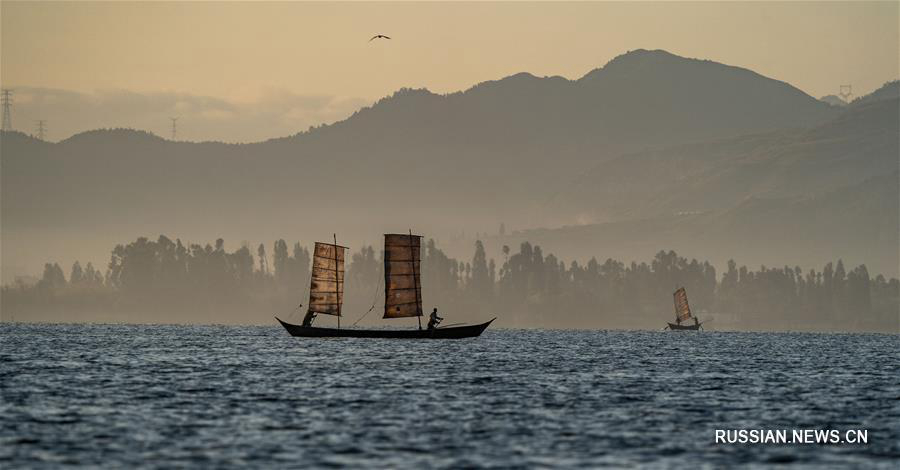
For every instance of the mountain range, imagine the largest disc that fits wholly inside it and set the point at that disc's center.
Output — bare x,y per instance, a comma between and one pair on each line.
645,138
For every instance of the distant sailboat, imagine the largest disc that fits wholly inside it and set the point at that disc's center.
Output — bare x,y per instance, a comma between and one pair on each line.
683,312
402,293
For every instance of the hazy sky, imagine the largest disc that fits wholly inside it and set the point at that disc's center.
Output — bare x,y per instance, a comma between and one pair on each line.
247,71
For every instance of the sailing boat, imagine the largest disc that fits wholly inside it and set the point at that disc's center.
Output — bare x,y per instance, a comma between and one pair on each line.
683,312
402,293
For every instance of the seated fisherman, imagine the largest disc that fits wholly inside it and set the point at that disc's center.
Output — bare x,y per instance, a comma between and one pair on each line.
308,319
434,320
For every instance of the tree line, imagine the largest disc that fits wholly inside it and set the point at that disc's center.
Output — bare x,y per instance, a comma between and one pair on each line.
167,281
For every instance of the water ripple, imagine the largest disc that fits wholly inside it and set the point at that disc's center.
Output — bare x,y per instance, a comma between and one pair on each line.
164,396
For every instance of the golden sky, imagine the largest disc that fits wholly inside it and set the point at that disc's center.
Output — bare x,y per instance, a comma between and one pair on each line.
241,52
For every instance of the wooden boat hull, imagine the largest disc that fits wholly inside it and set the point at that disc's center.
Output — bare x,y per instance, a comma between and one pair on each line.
456,332
675,326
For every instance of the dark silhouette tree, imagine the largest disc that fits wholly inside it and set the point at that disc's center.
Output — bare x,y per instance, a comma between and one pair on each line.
280,261
77,275
263,263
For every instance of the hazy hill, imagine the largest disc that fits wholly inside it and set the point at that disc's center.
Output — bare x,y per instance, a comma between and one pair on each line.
859,144
857,223
438,163
833,100
887,91
799,196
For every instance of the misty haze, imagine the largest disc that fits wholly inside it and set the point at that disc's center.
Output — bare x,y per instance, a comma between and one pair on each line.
449,234
569,187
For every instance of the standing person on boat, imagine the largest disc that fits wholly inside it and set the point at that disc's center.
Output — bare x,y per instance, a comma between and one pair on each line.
434,320
308,319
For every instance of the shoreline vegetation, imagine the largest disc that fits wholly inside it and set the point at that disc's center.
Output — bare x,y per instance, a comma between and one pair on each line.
167,282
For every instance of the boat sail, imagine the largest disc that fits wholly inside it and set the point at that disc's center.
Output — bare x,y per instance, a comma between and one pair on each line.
402,278
402,293
683,312
682,309
326,284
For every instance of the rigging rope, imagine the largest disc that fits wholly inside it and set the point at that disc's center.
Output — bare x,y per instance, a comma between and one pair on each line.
291,314
374,298
305,296
364,315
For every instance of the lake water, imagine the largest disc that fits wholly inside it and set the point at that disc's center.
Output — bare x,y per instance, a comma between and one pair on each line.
217,396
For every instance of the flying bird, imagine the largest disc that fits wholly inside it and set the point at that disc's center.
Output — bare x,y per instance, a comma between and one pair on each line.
378,36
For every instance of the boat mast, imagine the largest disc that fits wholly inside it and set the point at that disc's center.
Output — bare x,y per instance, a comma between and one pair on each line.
412,261
337,281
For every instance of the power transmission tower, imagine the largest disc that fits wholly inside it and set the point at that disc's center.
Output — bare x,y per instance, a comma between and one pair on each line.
7,115
846,92
174,127
41,128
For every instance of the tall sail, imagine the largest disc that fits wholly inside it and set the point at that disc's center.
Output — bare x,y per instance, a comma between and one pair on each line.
402,284
682,309
326,290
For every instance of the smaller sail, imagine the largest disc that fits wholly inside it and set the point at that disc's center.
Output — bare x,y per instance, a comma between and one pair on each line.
326,289
682,309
